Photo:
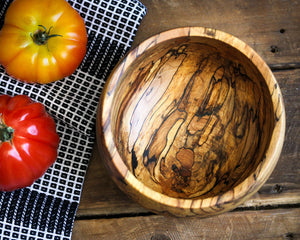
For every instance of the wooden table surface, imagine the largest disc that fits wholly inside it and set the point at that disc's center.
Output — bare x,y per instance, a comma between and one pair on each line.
272,28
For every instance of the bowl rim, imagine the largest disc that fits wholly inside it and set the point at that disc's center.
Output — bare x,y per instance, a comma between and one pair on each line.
244,190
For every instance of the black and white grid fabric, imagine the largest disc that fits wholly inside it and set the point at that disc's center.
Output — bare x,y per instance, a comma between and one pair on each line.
46,210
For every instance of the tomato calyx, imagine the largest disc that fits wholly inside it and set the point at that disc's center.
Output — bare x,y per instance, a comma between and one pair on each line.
6,133
41,36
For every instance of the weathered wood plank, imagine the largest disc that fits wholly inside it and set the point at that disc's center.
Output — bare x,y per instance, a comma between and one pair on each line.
272,28
288,168
267,224
101,196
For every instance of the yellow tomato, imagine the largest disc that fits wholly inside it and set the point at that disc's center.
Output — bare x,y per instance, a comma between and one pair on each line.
42,40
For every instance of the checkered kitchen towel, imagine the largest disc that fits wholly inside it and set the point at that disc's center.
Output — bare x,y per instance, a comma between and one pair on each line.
47,209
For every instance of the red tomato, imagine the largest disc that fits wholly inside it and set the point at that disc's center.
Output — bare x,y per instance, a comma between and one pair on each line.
42,40
28,142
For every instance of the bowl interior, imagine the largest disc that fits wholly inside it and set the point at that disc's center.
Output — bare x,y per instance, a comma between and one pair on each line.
192,117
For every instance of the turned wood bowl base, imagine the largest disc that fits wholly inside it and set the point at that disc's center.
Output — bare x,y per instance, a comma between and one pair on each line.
191,122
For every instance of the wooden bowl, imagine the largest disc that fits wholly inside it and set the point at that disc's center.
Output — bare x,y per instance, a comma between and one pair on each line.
191,122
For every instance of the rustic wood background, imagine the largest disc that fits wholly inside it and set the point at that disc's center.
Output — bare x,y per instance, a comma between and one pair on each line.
270,27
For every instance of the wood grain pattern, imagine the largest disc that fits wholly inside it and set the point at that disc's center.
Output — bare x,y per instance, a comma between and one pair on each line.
191,113
268,224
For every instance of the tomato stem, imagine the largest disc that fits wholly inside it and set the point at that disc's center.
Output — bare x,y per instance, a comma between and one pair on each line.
41,36
6,133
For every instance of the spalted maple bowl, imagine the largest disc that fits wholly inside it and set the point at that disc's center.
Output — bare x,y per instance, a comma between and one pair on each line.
191,122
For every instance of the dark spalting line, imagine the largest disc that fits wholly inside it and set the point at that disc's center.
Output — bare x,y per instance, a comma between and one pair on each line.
157,70
128,98
254,176
223,179
161,106
275,87
208,94
240,127
199,210
163,61
241,135
134,162
247,123
189,32
203,111
219,152
183,98
252,164
247,113
200,113
133,86
147,159
210,131
153,158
